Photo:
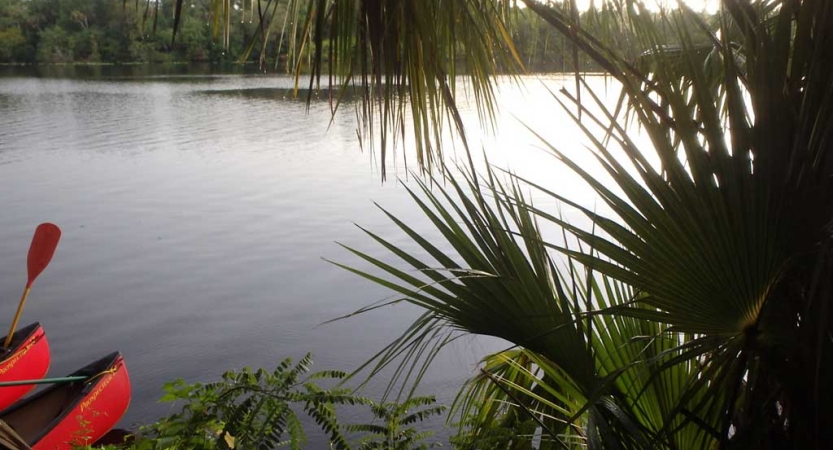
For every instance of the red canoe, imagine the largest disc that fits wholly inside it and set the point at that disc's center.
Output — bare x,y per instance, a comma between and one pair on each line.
76,413
26,359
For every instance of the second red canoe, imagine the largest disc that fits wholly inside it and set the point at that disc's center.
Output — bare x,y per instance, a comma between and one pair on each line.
76,413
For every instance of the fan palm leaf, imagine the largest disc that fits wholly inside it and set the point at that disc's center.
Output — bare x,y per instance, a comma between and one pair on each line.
504,283
720,231
718,238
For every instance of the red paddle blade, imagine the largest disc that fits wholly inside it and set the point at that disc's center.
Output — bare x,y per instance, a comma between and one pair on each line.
43,247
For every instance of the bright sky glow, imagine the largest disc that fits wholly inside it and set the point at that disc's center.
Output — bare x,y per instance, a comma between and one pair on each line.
697,5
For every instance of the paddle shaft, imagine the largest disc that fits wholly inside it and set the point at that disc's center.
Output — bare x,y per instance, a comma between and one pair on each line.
16,317
43,381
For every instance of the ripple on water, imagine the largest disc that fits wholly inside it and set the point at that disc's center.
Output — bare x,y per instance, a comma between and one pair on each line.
196,211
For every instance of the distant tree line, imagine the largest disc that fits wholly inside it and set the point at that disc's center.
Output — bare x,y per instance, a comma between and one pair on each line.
118,31
141,31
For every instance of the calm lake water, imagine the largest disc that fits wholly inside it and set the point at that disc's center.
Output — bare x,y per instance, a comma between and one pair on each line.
196,210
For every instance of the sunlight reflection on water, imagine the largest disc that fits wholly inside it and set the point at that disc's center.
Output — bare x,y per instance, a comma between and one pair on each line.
196,211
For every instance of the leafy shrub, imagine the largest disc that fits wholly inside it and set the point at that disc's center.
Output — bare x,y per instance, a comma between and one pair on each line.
396,434
251,410
259,409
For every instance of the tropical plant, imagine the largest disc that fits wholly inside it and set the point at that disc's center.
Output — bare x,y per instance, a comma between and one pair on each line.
254,410
396,429
696,315
399,56
251,410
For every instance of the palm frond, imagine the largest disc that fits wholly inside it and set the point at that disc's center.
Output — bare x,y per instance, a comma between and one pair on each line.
697,314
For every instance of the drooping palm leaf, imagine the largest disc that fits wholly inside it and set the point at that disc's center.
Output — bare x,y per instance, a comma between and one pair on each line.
401,58
726,239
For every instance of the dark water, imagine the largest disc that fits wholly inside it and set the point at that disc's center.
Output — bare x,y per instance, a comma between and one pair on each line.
196,210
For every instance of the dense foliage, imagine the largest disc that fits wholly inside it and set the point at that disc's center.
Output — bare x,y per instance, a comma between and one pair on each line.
394,427
696,313
260,409
251,409
116,31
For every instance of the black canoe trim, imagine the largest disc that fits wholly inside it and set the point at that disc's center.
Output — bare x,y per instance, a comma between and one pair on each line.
20,336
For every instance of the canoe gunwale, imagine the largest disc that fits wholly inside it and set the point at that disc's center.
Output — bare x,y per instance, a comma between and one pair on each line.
21,336
27,358
77,391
